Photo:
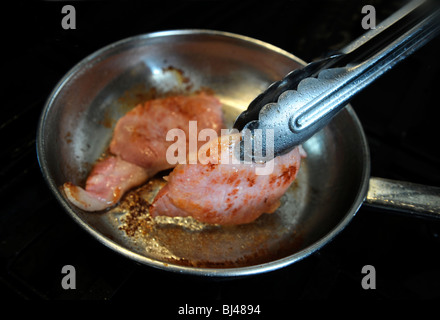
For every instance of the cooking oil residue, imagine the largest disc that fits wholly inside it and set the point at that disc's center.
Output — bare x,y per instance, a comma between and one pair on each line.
135,206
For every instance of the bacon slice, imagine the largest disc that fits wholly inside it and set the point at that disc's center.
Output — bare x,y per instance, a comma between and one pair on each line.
107,182
140,136
221,192
139,147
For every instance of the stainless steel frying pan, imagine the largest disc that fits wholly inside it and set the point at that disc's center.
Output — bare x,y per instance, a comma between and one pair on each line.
333,182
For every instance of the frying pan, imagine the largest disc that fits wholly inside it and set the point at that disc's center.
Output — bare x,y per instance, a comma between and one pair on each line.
333,182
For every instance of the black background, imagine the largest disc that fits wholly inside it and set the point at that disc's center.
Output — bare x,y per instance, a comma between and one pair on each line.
398,113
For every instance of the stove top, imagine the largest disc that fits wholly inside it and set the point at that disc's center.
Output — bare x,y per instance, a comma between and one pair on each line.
397,112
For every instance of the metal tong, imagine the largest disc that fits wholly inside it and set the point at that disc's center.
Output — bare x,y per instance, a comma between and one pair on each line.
305,101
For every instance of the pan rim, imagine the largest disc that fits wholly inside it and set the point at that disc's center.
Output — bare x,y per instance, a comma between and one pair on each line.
211,272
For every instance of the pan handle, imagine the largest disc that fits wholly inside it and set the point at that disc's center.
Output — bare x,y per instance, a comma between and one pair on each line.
406,197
